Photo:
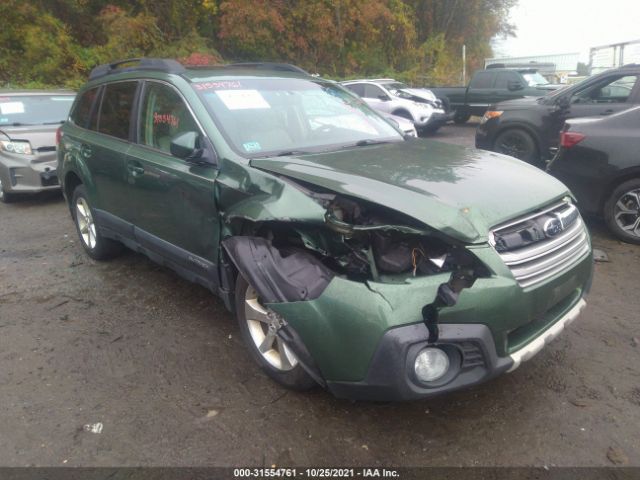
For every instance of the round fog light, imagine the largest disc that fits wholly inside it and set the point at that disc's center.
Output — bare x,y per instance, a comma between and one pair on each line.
431,364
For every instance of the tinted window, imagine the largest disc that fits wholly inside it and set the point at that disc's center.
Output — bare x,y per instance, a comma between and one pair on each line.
372,91
503,79
482,80
115,111
81,112
357,88
163,116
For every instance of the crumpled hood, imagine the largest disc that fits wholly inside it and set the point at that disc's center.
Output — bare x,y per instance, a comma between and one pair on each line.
423,93
38,136
459,191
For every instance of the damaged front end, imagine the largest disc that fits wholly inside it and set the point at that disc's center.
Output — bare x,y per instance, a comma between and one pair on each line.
371,253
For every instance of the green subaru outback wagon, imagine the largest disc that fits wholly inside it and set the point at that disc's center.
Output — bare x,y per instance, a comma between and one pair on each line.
378,266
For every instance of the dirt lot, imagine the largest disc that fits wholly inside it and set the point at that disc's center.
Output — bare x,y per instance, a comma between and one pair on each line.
159,362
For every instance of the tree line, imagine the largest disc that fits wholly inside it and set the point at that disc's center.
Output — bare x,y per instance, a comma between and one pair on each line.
57,42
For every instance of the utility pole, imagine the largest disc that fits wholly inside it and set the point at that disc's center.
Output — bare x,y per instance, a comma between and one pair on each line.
464,64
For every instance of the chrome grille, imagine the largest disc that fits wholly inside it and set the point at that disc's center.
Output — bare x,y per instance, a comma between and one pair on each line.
542,244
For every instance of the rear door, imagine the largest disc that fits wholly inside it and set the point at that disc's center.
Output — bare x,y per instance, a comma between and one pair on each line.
104,149
173,199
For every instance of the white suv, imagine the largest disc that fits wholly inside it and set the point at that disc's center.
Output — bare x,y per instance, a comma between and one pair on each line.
387,95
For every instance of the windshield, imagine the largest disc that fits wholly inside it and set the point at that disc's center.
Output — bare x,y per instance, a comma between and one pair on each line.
34,109
534,79
264,117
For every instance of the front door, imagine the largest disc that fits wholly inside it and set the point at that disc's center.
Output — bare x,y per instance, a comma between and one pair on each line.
173,199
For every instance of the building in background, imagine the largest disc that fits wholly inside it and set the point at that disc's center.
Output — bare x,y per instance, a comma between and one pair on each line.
555,68
614,55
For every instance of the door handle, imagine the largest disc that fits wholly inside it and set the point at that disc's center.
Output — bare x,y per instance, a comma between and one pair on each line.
135,170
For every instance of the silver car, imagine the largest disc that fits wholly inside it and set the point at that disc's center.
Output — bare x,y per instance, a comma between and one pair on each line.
28,123
419,105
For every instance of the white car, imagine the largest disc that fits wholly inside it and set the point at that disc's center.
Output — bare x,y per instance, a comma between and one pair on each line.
419,105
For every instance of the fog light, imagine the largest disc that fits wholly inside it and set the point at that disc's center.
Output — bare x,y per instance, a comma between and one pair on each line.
431,364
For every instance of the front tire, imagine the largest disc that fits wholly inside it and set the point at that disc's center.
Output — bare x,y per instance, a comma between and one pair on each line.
519,144
461,117
6,197
96,246
258,329
622,211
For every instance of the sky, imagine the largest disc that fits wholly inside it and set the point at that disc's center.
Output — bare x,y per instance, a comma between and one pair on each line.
569,26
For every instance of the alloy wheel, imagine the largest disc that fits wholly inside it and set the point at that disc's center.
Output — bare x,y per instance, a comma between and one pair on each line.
1,191
86,225
514,146
627,212
263,327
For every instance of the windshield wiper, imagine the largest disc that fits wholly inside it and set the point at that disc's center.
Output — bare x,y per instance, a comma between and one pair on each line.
370,141
288,153
54,123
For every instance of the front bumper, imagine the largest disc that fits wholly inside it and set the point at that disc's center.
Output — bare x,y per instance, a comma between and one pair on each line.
485,136
390,376
437,119
28,173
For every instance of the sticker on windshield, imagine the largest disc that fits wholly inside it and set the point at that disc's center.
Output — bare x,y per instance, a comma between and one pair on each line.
242,99
216,85
7,108
252,146
4,120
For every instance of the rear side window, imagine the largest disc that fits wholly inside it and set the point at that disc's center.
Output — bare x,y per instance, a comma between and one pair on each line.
82,111
357,88
482,80
115,111
163,117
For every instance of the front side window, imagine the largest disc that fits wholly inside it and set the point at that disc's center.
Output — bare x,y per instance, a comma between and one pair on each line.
163,116
34,109
372,91
116,108
612,90
482,80
263,117
503,79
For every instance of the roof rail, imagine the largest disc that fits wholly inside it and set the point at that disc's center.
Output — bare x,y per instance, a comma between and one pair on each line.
159,64
282,67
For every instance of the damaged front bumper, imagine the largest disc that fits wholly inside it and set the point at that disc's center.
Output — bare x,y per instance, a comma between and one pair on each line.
364,337
29,173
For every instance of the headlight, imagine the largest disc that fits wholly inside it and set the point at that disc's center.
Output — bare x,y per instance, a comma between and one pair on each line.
489,114
431,364
13,146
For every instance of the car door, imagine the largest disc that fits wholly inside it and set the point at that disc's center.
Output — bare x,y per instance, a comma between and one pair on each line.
377,98
103,149
501,86
610,95
173,199
481,92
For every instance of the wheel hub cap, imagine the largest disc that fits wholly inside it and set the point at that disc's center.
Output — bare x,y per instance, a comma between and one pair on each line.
263,326
86,225
627,212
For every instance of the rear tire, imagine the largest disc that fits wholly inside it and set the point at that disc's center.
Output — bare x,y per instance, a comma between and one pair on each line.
96,246
517,143
275,358
461,117
622,211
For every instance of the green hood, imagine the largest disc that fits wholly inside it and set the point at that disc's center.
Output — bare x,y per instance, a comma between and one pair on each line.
459,191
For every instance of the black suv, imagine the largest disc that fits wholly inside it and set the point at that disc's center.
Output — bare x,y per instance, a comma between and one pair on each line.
529,128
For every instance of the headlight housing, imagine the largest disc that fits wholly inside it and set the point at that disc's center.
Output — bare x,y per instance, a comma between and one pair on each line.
489,114
20,147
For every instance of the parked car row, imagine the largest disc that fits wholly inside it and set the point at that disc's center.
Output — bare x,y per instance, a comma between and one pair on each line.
354,255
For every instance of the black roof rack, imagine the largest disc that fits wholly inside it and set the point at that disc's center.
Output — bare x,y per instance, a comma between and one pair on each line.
160,64
282,67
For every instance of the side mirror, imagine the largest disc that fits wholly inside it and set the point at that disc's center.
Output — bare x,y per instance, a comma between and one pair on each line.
514,85
186,146
384,98
565,101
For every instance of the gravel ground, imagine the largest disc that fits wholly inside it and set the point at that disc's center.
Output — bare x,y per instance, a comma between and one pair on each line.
160,364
